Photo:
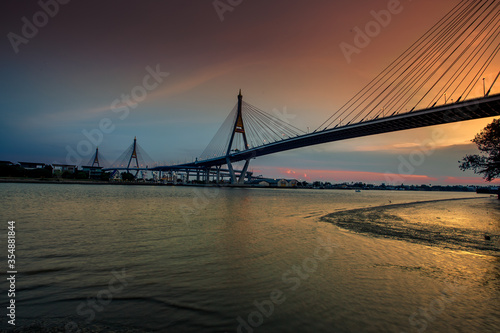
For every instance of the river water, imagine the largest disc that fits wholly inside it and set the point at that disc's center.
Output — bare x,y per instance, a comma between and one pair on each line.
191,259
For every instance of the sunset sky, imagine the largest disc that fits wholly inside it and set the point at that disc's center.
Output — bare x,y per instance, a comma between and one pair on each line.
285,56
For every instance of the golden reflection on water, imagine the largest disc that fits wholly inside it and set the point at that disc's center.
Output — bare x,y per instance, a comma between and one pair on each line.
203,258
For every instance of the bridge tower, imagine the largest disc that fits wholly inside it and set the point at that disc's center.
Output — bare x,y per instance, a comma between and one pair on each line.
238,128
95,162
133,156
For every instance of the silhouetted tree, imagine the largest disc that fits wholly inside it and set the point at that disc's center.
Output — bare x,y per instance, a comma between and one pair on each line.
105,176
12,171
488,162
81,175
45,172
68,175
128,176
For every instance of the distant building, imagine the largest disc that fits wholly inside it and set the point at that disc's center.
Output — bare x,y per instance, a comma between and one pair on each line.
282,183
115,175
61,168
287,183
92,171
269,182
32,165
264,182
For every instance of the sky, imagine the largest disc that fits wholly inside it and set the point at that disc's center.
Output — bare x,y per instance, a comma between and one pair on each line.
65,82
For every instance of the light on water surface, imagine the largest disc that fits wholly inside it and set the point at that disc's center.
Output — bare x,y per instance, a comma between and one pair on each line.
263,260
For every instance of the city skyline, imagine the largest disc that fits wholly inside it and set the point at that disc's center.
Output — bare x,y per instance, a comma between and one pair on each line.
76,76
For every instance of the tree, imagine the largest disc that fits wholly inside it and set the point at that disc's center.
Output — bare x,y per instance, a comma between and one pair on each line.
81,175
45,172
488,162
105,176
127,176
12,171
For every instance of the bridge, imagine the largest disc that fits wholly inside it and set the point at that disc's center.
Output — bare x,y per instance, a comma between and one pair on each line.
429,84
471,109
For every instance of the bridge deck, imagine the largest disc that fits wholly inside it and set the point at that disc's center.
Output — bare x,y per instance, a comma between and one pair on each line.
444,114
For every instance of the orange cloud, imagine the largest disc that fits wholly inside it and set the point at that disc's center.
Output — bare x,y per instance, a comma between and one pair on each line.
340,176
469,180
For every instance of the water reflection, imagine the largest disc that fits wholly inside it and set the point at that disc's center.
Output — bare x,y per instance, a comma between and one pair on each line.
201,259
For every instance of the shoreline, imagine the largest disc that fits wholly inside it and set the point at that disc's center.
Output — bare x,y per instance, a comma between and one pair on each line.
100,182
127,183
390,221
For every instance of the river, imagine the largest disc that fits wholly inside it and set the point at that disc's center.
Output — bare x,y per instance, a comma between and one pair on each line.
193,259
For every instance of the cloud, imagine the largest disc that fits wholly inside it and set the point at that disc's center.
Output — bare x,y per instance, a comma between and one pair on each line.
469,180
340,176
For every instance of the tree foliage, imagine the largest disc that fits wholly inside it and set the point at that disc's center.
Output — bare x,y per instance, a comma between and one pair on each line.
487,162
18,171
105,176
128,176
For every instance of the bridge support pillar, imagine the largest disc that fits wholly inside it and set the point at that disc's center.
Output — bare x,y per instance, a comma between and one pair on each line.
241,180
231,171
217,179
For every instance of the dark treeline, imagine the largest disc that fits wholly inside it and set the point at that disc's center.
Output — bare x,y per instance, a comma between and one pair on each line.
17,171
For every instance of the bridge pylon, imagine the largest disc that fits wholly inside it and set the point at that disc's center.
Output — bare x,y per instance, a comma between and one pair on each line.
238,129
133,156
95,162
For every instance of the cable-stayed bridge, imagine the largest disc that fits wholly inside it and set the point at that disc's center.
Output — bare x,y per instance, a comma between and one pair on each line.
212,166
437,80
